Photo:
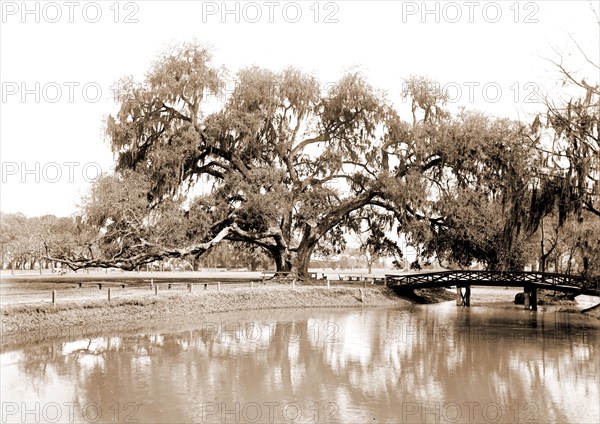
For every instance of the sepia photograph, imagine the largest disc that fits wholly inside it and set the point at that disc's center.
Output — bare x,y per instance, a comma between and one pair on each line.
311,211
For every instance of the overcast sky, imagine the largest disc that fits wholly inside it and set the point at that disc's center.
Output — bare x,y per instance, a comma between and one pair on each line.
59,62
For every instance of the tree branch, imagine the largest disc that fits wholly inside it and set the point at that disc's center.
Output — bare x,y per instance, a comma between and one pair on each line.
158,252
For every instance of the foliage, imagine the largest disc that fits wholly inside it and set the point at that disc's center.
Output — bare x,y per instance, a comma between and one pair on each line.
25,241
288,169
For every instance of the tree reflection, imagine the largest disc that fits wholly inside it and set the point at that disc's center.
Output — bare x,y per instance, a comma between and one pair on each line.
376,363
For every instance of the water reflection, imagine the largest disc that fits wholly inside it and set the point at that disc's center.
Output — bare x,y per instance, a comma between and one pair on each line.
434,363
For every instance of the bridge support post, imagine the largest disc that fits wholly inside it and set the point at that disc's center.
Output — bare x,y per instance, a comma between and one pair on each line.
526,299
530,298
533,299
463,299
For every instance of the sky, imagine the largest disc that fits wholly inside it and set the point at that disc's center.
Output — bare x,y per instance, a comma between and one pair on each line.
60,63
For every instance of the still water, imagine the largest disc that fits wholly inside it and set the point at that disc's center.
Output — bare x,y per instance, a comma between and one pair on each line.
434,363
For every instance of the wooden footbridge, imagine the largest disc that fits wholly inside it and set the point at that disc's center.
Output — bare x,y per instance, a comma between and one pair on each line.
530,281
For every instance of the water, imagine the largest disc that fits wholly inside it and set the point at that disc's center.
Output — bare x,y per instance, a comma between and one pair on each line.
425,364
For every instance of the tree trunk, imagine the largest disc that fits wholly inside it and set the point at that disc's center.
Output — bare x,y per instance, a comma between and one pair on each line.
570,259
282,258
586,265
542,255
304,253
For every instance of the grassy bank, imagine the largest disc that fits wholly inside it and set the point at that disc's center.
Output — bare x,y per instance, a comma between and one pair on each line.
40,322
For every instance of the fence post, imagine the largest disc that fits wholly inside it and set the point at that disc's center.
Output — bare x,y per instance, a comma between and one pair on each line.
151,283
252,285
108,294
218,286
294,284
191,287
328,286
99,286
156,289
53,297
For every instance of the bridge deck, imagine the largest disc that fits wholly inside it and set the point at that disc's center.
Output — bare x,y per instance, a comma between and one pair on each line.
541,280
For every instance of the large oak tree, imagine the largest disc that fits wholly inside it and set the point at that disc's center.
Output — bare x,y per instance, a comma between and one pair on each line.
289,167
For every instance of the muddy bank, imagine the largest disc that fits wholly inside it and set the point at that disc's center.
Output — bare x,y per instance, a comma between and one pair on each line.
594,311
33,323
549,298
425,296
565,302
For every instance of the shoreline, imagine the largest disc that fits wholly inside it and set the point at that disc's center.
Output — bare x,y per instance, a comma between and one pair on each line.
23,324
594,311
34,323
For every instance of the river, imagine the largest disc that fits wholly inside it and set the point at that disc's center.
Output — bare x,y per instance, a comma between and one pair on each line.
420,363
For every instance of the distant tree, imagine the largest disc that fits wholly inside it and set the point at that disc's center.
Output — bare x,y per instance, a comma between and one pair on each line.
27,241
17,244
374,243
565,193
237,255
572,248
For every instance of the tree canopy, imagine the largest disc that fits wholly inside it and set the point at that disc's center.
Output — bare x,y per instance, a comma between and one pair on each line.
289,167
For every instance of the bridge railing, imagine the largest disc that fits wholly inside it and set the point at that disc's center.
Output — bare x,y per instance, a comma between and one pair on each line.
481,276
